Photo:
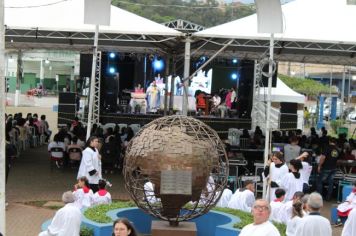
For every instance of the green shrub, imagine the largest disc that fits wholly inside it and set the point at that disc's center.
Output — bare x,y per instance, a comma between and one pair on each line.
98,213
336,124
247,218
85,231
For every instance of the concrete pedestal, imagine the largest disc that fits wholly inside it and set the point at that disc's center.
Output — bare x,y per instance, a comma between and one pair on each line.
162,228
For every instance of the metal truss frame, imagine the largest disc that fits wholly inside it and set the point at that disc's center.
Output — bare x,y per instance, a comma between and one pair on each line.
307,52
184,26
96,104
30,38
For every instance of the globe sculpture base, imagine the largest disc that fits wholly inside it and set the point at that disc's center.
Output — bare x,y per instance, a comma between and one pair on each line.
162,228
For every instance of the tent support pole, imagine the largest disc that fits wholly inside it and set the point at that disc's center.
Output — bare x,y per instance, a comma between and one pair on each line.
2,118
267,132
92,82
186,74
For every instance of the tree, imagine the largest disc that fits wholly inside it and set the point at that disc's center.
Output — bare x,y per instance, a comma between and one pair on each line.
207,15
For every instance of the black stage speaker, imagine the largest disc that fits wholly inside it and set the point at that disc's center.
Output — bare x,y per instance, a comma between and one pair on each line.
85,65
265,79
289,117
66,108
245,89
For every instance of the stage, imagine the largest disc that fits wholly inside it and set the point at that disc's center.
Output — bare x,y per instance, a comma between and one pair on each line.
220,125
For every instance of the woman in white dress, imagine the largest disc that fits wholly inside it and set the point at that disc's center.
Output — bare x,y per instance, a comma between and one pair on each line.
293,182
275,171
297,215
90,165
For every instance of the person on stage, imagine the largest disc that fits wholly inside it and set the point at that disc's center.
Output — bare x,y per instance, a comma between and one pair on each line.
90,165
275,171
153,97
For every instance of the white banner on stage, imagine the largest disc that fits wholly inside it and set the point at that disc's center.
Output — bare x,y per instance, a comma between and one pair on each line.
97,12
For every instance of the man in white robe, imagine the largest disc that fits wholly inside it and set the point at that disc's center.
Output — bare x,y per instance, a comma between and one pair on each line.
225,198
243,198
314,223
350,225
66,221
261,226
276,205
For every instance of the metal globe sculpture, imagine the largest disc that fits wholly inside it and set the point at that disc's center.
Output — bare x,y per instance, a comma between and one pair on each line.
176,168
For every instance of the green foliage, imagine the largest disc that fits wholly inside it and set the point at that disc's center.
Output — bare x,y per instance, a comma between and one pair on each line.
85,231
336,124
305,86
98,213
167,10
247,218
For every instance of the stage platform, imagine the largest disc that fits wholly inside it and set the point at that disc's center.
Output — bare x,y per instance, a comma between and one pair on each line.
220,125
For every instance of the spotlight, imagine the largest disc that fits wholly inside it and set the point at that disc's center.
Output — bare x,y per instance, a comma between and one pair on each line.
47,61
234,76
112,55
158,64
112,70
234,61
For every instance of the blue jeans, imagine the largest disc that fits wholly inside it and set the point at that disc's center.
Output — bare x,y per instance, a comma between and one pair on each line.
328,177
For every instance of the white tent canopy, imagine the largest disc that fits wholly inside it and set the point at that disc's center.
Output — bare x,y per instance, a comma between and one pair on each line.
314,30
282,93
69,16
62,23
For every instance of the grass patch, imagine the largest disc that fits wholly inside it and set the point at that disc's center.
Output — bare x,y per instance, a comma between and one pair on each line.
35,203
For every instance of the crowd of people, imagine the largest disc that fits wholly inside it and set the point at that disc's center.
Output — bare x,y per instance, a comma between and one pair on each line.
289,196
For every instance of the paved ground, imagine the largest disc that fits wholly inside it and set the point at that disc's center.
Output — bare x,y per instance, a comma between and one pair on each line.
31,180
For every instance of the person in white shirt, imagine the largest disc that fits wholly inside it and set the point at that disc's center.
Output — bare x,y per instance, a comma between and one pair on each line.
286,210
90,165
344,208
314,223
67,220
261,226
243,198
82,193
292,182
292,150
102,196
276,205
275,171
57,149
305,171
297,215
225,198
350,225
